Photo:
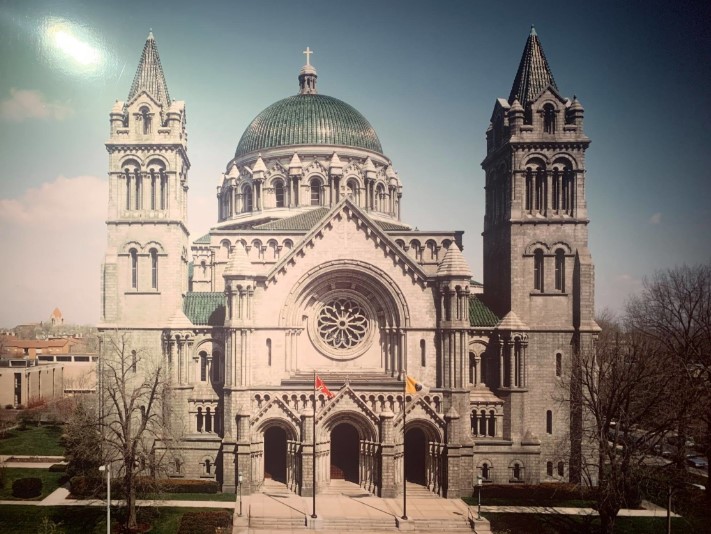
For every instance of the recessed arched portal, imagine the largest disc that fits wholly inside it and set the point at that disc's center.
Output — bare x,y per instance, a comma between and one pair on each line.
275,454
415,456
344,452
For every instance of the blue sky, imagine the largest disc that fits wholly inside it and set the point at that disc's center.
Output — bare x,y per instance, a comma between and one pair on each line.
425,74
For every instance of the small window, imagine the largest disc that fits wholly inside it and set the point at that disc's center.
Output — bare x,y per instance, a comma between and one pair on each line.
529,190
203,366
146,117
549,469
134,268
279,193
549,422
549,119
247,199
558,364
561,469
516,472
315,192
134,361
560,270
423,353
538,273
269,352
154,268
485,470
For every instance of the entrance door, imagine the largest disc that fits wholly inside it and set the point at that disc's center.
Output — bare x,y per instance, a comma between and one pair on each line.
415,456
344,453
275,454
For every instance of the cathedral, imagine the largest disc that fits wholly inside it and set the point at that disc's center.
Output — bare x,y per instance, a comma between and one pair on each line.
309,270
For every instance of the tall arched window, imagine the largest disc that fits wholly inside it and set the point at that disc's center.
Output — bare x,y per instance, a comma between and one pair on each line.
549,469
199,420
561,469
154,268
380,198
423,353
246,198
138,200
529,190
555,184
279,193
146,118
538,273
154,186
134,268
549,119
353,190
540,195
549,422
269,352
560,270
127,174
163,190
315,192
203,366
568,199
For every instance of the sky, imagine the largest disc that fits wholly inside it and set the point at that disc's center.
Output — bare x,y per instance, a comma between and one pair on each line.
424,73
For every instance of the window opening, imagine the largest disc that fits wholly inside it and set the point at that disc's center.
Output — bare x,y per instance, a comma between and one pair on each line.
560,270
538,274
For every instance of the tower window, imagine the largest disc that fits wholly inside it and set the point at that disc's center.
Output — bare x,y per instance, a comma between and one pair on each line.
423,353
153,190
247,199
139,191
549,469
128,189
538,273
558,364
203,367
529,190
134,268
315,192
549,119
353,191
568,191
560,270
549,422
540,193
154,268
146,118
269,352
279,193
163,191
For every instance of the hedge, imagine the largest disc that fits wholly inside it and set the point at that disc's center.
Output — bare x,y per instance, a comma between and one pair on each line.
57,468
173,485
27,488
204,522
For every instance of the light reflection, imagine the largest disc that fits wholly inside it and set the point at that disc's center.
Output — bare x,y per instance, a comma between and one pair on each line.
72,47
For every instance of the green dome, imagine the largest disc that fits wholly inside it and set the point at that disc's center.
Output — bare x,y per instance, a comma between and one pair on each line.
308,119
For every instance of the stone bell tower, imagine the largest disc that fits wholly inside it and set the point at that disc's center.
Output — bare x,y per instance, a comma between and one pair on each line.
145,268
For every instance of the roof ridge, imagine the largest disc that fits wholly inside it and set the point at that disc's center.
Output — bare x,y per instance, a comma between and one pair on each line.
149,75
534,73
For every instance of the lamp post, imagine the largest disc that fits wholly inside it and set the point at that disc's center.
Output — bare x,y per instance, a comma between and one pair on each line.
239,480
107,468
479,481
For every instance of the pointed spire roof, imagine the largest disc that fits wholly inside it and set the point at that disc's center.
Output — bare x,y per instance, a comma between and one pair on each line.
534,74
149,75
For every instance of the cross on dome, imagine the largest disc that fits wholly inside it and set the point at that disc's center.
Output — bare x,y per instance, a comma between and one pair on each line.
308,53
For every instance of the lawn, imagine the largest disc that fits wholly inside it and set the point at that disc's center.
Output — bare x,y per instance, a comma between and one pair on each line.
50,481
33,441
222,497
562,524
81,520
562,495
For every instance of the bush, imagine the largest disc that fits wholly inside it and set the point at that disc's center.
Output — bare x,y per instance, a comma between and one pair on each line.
204,522
173,485
81,486
57,468
9,406
27,488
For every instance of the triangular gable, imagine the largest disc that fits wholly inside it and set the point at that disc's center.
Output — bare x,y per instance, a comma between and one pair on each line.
275,407
138,95
553,91
345,208
501,106
346,398
419,409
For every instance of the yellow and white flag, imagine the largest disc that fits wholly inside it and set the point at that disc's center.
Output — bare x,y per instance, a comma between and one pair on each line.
413,386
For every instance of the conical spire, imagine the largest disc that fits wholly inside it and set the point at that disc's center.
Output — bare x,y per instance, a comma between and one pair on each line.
534,74
149,76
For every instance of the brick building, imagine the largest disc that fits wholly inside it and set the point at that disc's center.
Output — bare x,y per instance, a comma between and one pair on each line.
309,267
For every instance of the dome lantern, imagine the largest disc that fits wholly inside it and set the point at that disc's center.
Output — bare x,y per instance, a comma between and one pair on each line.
307,76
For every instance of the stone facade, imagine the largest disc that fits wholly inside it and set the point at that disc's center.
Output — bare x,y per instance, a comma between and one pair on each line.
309,270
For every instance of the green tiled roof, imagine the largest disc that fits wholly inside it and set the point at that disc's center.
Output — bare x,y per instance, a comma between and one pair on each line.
391,226
479,314
204,240
206,308
302,221
308,119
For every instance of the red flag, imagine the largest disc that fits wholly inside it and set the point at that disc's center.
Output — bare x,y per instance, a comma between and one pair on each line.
320,386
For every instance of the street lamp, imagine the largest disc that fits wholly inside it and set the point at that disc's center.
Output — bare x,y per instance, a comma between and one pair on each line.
239,480
107,468
479,481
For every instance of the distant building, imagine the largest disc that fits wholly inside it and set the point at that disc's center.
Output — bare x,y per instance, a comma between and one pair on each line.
309,268
56,318
31,348
24,382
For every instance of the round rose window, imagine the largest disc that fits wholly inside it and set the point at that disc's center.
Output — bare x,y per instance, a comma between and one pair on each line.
342,323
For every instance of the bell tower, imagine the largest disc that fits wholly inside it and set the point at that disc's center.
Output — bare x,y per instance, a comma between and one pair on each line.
145,268
538,270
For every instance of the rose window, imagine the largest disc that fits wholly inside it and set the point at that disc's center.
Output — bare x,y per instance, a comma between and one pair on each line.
342,323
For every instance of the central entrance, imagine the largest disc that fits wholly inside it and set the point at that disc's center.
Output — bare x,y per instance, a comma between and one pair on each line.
344,453
275,454
415,456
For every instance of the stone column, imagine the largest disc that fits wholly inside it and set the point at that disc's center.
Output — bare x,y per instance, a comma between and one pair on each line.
388,487
307,448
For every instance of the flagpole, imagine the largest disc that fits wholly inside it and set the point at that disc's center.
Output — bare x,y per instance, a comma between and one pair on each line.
313,470
404,476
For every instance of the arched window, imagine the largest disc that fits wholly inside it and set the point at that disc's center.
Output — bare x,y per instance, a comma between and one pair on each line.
380,198
555,184
353,190
549,469
558,364
492,424
178,465
154,268
138,200
199,420
208,467
146,118
529,190
472,368
549,119
485,471
208,420
134,268
315,192
560,270
549,422
134,361
203,366
561,469
246,198
538,273
568,199
540,195
154,185
127,174
163,190
423,353
517,472
279,193
269,352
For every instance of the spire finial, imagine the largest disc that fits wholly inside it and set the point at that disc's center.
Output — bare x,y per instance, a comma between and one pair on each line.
307,76
533,31
308,53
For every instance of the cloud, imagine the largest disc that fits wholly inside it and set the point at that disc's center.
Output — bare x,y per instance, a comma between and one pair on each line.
25,104
656,218
60,203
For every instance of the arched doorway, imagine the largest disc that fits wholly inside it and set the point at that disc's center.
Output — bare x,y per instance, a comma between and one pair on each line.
415,456
275,454
344,452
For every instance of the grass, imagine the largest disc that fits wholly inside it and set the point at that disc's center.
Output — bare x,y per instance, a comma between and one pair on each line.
33,441
561,495
82,519
564,524
221,497
50,481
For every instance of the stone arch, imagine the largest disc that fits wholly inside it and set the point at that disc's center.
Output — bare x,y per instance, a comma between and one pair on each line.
158,160
367,431
536,245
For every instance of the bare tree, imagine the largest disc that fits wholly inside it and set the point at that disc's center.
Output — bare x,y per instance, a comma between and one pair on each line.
133,388
623,389
674,309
